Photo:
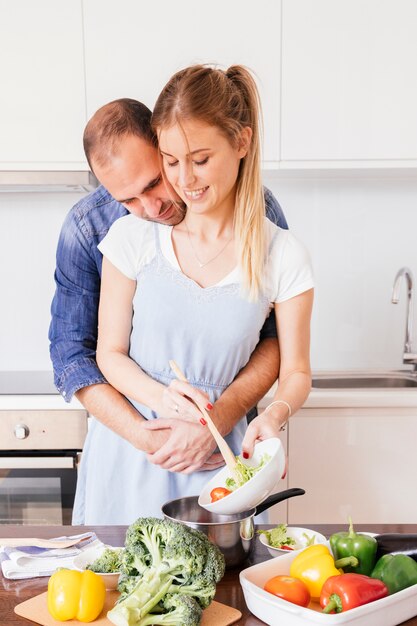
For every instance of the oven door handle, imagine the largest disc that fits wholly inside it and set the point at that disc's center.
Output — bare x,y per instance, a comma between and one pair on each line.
37,462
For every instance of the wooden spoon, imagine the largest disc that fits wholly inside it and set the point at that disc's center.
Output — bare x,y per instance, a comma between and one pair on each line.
226,452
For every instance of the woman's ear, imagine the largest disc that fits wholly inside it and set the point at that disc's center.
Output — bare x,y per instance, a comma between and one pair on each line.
244,141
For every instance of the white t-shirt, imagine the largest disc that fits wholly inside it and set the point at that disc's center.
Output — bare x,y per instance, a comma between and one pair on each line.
130,245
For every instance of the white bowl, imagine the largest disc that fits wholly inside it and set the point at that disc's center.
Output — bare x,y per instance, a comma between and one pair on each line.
389,611
296,533
91,554
256,490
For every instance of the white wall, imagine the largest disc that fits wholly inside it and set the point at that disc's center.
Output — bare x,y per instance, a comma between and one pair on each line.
359,232
29,227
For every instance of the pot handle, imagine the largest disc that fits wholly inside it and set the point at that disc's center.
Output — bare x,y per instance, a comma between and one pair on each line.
278,497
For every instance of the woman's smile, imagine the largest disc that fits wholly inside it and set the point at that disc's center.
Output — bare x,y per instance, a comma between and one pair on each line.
195,194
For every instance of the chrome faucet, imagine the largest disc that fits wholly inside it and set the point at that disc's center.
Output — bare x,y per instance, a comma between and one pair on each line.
408,356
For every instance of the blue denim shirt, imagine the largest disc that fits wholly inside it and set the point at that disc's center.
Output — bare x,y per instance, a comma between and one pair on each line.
74,309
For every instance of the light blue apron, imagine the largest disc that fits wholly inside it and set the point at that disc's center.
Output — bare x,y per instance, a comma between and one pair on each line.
211,334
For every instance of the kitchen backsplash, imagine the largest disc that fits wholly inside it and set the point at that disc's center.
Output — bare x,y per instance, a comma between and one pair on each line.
359,232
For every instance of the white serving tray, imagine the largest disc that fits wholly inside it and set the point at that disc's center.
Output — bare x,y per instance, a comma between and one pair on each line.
274,611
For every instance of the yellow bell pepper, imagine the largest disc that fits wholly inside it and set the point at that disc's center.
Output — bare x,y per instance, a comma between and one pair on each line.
314,566
75,595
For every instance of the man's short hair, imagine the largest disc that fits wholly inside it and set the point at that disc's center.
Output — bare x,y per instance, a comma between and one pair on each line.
113,121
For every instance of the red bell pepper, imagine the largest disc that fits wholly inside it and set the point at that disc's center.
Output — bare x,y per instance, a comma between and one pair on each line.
344,592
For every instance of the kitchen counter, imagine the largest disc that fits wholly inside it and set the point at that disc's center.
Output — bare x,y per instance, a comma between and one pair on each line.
228,590
31,390
340,398
38,402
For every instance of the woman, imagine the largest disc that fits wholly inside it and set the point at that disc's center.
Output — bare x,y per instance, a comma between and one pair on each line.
216,274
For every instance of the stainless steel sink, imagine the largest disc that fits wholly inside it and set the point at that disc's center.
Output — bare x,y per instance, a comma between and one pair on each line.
365,380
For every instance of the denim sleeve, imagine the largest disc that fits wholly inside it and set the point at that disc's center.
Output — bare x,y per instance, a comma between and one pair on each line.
276,215
74,309
273,210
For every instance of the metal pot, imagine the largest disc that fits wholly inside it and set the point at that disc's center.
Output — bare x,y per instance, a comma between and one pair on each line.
233,534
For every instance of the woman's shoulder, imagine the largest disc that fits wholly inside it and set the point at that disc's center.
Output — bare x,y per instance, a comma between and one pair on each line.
129,244
289,268
284,248
275,235
132,226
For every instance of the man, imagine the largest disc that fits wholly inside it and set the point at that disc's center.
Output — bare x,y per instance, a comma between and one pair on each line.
125,160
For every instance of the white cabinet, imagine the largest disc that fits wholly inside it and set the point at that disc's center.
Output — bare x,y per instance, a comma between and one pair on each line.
336,78
133,48
360,462
42,108
349,94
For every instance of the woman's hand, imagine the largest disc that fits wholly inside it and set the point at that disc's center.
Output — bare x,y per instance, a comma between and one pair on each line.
265,426
178,401
189,447
262,427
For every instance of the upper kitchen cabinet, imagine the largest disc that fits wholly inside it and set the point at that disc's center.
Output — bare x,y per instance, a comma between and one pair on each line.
349,94
42,109
132,49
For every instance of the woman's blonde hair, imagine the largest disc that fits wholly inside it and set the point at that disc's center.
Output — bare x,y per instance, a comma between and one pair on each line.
228,100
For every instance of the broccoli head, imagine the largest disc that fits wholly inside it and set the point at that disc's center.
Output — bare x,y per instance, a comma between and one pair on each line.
149,536
203,586
135,560
108,562
164,560
171,546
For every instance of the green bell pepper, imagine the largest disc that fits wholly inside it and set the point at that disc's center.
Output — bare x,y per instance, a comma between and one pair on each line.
397,571
363,547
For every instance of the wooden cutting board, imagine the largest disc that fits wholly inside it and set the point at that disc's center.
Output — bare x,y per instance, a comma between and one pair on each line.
36,610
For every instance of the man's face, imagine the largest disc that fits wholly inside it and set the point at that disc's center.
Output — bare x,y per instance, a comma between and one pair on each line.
133,177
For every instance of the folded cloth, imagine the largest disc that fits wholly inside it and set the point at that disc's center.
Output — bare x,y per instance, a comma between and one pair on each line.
32,562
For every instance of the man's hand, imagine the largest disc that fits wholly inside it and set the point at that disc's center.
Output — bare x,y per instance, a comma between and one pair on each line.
189,448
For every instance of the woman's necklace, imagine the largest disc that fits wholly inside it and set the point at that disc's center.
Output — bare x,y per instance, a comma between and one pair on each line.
200,263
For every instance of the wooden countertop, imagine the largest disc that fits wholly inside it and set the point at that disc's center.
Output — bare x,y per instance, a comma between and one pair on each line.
228,590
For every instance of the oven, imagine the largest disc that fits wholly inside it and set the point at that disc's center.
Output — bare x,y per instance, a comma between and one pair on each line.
41,441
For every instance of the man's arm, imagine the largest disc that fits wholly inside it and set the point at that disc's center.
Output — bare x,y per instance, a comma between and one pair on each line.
73,339
113,410
73,328
249,387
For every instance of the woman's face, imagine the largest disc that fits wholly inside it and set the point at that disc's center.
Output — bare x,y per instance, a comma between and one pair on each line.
202,165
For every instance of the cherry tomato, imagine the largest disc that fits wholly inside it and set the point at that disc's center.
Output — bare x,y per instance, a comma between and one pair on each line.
289,588
218,493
